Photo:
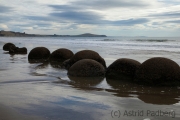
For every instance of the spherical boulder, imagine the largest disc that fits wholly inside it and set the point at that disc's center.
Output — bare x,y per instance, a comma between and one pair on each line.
122,69
61,55
86,68
7,46
39,53
158,71
85,54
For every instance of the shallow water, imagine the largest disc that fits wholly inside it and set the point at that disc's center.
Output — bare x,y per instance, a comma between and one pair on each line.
44,91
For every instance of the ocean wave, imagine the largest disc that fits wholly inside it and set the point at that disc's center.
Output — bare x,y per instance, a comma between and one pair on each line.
109,40
2,43
153,40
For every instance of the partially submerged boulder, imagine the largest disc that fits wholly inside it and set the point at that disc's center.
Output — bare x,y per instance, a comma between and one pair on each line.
85,54
122,69
158,71
17,50
86,68
61,55
7,46
39,53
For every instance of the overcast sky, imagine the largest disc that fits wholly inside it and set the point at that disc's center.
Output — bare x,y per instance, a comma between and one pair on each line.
109,17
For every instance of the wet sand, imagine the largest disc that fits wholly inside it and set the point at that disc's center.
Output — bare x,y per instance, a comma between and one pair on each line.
8,113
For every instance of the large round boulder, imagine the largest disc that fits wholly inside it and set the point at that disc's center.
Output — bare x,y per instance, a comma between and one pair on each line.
122,69
86,68
61,55
39,53
85,54
158,71
7,46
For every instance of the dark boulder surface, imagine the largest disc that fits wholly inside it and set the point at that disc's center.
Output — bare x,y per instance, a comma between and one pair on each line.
85,54
66,64
17,50
61,55
7,46
39,53
86,68
158,71
122,69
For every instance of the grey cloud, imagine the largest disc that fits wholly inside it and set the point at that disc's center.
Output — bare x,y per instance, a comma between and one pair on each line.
170,2
5,9
71,26
63,7
107,4
99,5
85,17
173,21
76,18
77,14
93,18
39,24
129,22
4,19
74,14
155,23
44,19
167,14
38,18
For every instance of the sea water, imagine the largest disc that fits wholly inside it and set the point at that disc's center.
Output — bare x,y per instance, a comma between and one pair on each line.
44,91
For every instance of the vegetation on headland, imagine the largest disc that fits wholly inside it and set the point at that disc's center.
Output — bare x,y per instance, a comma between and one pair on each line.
19,34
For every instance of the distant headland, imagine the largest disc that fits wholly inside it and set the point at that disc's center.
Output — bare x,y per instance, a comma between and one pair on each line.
19,34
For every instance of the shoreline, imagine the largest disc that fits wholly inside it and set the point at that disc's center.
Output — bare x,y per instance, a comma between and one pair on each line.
19,34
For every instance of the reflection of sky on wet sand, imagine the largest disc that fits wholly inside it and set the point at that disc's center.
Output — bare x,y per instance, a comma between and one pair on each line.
42,99
51,101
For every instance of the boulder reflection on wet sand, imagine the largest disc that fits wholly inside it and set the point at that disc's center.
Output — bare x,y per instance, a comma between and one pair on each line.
41,66
160,99
152,95
122,88
85,83
56,64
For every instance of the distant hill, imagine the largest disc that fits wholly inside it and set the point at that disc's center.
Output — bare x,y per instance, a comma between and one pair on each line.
18,34
11,33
